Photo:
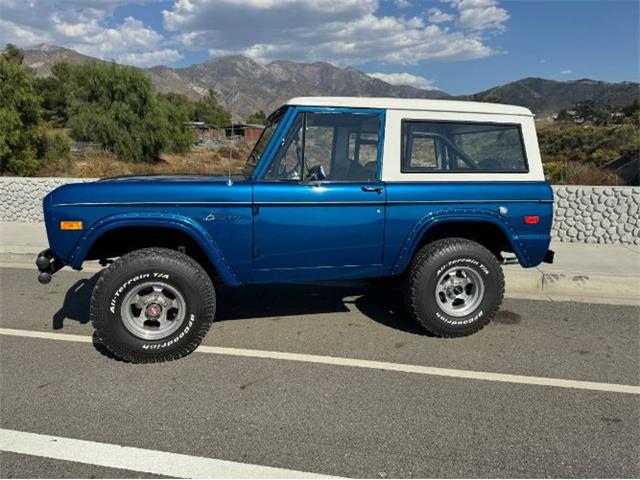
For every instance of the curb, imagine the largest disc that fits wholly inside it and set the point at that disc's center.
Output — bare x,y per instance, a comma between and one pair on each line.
520,282
576,286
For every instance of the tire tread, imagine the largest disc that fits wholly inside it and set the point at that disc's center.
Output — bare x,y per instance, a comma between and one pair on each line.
424,258
201,278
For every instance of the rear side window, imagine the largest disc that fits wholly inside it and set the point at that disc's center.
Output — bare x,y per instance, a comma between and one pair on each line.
462,147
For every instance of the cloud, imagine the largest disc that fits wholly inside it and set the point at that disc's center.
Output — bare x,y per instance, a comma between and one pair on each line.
405,78
566,72
402,3
85,26
344,32
435,15
131,34
480,14
149,59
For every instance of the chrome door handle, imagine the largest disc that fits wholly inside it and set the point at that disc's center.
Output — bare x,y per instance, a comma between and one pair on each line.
371,189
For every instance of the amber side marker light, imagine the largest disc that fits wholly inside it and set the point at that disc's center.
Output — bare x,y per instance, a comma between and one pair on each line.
70,225
531,219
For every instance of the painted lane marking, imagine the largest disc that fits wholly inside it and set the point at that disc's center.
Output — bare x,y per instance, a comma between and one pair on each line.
371,364
137,459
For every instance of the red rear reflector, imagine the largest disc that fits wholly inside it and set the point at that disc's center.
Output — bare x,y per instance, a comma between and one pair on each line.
531,219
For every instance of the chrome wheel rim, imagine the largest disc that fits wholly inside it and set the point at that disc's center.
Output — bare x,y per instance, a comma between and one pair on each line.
459,291
153,310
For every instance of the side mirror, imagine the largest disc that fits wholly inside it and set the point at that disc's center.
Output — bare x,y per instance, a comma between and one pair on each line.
316,174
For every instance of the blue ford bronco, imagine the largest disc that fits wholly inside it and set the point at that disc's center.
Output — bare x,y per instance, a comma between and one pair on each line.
432,195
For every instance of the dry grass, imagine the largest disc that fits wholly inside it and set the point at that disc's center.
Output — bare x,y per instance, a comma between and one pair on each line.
100,164
587,174
577,173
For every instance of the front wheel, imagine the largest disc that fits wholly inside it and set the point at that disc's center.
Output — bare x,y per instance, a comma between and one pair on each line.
455,286
152,305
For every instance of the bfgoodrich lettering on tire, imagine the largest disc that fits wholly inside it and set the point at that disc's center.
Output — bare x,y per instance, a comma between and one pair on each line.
152,305
454,287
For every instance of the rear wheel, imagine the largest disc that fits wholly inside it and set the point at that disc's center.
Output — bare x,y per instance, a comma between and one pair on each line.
152,305
455,286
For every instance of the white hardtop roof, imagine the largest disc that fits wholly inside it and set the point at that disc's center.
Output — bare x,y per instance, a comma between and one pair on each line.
410,104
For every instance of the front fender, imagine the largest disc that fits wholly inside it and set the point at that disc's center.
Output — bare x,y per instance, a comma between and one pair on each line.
151,219
432,219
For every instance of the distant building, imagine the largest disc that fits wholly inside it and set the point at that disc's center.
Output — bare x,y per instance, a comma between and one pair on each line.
204,132
249,132
568,115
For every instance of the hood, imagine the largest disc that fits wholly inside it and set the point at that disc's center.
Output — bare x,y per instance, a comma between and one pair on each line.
171,178
153,189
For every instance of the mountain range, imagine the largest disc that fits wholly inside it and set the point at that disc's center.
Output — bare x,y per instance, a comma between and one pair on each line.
246,86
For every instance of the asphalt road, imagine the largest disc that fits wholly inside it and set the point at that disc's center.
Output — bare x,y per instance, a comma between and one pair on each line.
329,419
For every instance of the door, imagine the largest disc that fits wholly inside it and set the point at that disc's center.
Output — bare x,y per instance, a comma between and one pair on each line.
320,202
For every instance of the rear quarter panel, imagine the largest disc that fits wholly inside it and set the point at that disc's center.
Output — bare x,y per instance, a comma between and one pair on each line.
414,208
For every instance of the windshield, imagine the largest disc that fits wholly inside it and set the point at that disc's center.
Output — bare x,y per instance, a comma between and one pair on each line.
256,154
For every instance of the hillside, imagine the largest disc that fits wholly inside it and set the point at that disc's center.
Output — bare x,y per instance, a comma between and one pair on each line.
246,86
42,57
547,96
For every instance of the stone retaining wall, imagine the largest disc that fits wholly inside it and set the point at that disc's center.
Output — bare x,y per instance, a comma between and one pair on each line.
21,198
596,214
582,214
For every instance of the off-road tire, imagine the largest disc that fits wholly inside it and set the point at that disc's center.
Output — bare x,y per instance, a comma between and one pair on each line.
176,269
429,263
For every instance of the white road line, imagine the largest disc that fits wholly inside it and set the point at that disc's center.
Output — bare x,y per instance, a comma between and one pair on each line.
372,364
137,459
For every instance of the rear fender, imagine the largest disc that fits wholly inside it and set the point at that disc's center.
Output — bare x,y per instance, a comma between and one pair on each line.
422,226
150,219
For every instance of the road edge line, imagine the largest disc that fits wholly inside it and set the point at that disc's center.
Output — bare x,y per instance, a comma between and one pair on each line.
137,459
370,364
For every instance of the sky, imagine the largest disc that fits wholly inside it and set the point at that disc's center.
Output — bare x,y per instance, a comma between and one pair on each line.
460,46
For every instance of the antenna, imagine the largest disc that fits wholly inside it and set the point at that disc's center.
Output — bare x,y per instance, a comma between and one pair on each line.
233,94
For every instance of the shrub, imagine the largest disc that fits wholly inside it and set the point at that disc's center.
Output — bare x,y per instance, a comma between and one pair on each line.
573,173
54,145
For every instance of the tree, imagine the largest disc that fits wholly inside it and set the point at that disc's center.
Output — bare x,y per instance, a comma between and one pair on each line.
632,112
56,91
173,112
595,112
209,110
258,117
117,107
181,102
20,115
13,53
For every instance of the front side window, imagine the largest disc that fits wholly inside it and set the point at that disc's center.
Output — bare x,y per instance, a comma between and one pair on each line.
287,163
338,147
462,147
270,128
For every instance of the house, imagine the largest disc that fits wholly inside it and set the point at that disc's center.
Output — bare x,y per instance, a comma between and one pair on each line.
204,132
249,132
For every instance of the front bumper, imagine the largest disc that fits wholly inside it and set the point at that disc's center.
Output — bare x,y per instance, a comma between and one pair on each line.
47,265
